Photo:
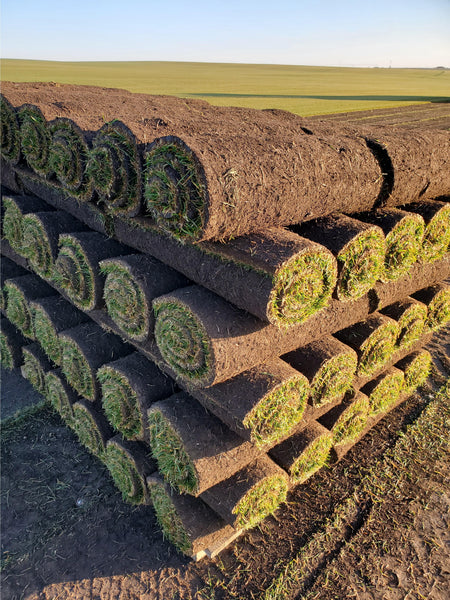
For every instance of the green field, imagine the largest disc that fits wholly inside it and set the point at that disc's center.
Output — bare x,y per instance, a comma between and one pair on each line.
299,89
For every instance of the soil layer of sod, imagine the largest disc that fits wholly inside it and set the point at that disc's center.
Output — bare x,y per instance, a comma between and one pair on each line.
11,343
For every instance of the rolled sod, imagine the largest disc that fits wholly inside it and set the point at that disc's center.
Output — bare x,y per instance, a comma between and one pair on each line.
130,464
410,315
416,368
129,386
68,158
374,341
20,291
61,395
11,343
329,365
187,522
91,427
51,316
40,238
35,139
250,495
114,166
77,269
85,348
437,228
437,299
404,233
16,208
132,283
9,132
304,452
262,404
347,421
8,270
358,247
384,391
35,367
194,450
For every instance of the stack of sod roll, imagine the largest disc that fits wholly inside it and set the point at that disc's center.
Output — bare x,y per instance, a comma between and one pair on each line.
219,302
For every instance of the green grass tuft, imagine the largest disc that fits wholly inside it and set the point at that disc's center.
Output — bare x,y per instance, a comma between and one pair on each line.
87,430
351,422
411,324
437,236
36,246
76,369
168,518
73,273
46,335
438,310
386,393
6,355
13,226
377,349
313,458
262,500
333,379
18,310
35,139
125,474
417,370
403,246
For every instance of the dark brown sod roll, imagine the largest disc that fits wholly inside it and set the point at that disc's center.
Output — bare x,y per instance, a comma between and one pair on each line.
262,404
304,453
358,247
114,166
437,300
130,385
410,315
35,366
250,495
20,291
194,450
77,269
40,237
51,316
61,395
384,391
91,427
9,132
348,420
404,233
437,228
416,368
8,270
328,364
187,522
11,343
35,139
130,464
69,152
131,284
373,340
16,208
85,348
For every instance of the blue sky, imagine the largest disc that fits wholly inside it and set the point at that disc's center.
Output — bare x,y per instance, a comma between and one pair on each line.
397,33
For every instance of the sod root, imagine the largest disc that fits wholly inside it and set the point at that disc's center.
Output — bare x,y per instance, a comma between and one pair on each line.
40,237
51,316
250,495
8,270
262,405
416,368
16,208
35,367
11,343
347,421
384,391
68,158
61,395
437,299
410,315
130,464
20,292
436,237
187,522
9,132
373,340
131,284
77,269
194,450
114,166
91,427
303,453
329,365
85,348
129,386
404,233
358,247
35,139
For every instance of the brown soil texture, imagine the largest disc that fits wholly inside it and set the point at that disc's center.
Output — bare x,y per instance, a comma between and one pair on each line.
67,534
